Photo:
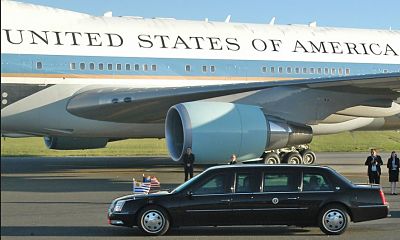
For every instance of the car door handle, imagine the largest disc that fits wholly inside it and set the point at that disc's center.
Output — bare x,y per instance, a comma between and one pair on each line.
226,200
293,198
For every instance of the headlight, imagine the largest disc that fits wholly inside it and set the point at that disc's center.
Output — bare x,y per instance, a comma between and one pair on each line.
119,205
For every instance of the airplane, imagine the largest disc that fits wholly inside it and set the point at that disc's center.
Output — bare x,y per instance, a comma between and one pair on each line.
81,81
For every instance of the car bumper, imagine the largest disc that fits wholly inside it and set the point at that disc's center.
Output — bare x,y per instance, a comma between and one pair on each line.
370,212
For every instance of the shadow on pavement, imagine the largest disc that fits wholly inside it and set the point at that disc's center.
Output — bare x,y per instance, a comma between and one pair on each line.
97,231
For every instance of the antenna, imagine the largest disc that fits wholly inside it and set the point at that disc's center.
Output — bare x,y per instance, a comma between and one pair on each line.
272,22
228,19
107,14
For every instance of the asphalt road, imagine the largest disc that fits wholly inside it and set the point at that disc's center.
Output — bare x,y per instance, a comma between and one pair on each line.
67,198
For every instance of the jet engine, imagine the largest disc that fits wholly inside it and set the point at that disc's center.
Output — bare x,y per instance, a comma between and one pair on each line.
74,143
215,130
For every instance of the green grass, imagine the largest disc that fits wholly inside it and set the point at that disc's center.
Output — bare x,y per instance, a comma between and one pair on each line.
343,142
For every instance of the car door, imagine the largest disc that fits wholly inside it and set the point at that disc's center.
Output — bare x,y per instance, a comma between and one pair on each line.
245,184
278,201
316,189
208,203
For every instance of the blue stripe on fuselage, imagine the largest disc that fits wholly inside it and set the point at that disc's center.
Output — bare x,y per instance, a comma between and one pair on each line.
60,64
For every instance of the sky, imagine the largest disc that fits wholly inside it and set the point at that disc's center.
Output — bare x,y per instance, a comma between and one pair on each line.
376,14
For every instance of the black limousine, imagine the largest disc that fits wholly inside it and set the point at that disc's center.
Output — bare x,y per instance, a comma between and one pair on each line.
254,195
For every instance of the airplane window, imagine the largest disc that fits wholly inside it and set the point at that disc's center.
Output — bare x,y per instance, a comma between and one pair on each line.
289,70
91,66
264,69
319,70
187,68
136,67
204,68
212,68
297,70
72,66
145,67
340,71
280,69
326,71
153,67
304,70
101,66
109,66
39,65
127,67
82,66
333,71
119,66
385,71
272,69
312,70
347,71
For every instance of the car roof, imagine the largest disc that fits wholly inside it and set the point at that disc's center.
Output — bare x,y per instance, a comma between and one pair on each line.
267,166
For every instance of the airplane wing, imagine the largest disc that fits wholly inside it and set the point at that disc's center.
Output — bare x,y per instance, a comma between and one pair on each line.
150,105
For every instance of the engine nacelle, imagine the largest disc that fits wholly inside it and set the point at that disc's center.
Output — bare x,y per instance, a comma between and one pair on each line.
74,143
215,130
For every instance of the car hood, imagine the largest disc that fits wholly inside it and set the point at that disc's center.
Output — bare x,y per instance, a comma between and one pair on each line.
142,196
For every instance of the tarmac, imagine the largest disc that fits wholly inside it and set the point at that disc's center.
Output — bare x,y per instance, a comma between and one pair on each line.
68,198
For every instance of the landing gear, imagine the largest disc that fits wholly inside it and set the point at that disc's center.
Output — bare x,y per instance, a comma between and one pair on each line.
271,158
308,156
295,155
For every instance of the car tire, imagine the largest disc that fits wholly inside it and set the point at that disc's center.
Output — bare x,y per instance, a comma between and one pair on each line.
271,158
153,220
333,219
308,156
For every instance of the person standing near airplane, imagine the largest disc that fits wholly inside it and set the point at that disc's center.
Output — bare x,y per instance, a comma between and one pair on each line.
188,161
393,166
374,163
233,159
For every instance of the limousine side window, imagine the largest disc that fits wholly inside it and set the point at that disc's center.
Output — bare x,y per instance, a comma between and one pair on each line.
247,182
215,185
315,182
280,182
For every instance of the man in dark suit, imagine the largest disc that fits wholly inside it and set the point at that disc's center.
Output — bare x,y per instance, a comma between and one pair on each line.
393,166
374,163
188,161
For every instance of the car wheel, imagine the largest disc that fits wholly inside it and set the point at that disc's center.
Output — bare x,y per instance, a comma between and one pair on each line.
333,220
153,220
271,158
308,156
294,158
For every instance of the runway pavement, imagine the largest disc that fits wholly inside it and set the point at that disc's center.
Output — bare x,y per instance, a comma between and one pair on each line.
67,198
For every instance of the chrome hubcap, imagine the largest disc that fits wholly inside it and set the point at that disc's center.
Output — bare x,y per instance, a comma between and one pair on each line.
153,221
334,220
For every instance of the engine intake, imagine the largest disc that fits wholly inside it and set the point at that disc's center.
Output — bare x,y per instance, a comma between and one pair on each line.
215,130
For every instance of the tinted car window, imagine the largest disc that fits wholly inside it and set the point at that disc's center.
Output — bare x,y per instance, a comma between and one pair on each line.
214,185
280,182
315,182
243,183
